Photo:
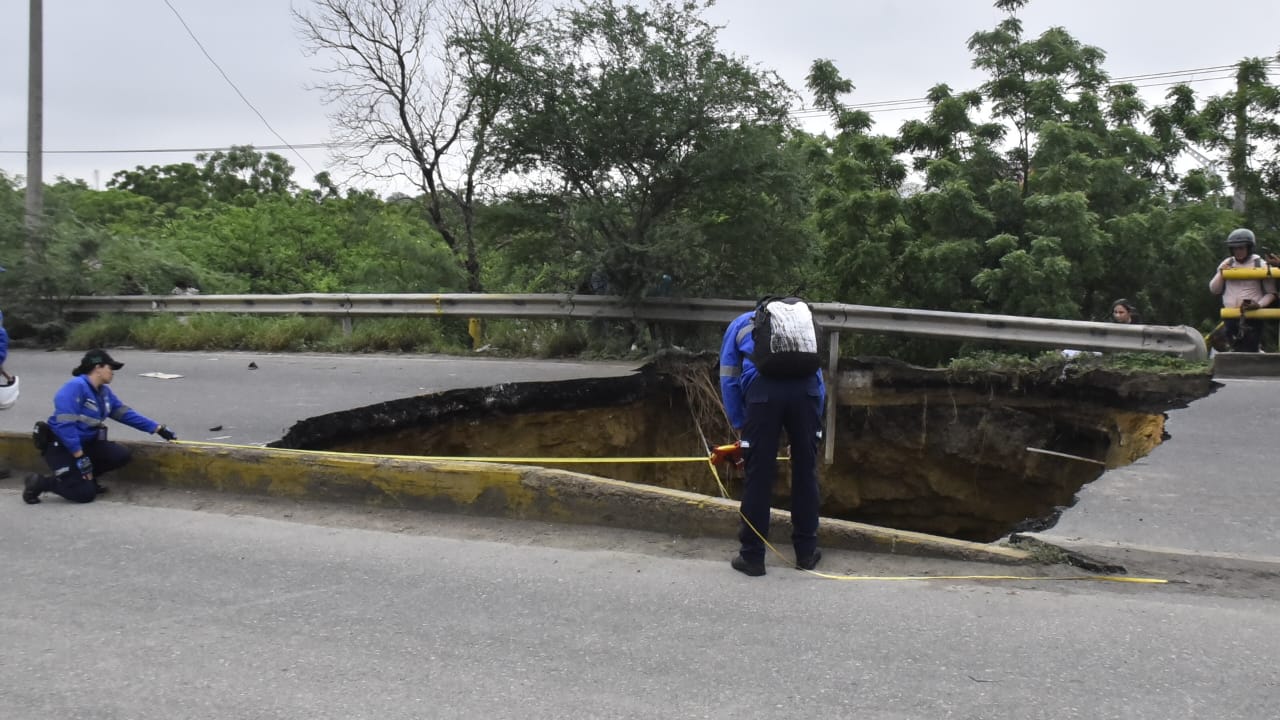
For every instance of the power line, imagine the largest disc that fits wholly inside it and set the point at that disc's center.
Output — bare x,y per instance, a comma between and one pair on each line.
873,107
233,85
1193,71
1184,82
142,151
803,113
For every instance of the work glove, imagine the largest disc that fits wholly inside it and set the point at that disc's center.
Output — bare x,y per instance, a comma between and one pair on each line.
1249,305
1273,260
166,433
85,466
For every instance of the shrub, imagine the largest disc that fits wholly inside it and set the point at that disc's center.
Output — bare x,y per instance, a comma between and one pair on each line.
402,334
103,331
290,333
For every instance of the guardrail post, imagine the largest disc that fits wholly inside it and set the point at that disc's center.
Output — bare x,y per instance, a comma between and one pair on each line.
832,381
346,326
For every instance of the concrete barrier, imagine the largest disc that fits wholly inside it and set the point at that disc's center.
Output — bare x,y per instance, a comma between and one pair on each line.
486,489
1246,365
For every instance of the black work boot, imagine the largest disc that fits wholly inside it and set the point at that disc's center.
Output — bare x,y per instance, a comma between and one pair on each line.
810,561
747,567
32,486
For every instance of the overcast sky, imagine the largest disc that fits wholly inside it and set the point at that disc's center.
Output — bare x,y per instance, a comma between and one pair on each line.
125,75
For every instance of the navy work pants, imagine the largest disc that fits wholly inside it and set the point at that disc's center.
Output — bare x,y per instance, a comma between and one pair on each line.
774,405
67,480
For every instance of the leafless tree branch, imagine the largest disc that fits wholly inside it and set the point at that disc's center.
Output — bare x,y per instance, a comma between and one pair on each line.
415,90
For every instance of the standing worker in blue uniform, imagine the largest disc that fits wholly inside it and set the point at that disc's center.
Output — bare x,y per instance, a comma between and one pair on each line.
75,444
770,381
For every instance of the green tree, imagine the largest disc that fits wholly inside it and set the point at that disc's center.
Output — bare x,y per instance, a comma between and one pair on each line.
293,244
1078,160
178,185
859,208
1065,200
639,119
963,170
1031,82
242,171
1234,127
239,175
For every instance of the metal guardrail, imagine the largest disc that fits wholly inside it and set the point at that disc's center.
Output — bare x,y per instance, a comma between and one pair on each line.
1181,340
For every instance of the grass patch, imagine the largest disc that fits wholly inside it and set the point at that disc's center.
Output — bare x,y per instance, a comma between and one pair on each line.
1004,362
297,333
292,334
587,339
1153,363
520,338
103,331
568,340
289,333
195,332
1026,363
400,334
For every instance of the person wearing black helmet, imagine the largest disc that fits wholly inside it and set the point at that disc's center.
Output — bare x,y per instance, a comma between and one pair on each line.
74,439
1245,333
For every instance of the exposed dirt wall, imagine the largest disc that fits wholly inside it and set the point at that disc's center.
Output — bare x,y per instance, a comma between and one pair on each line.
969,456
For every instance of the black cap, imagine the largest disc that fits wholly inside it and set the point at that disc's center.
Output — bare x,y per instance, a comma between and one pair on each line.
93,359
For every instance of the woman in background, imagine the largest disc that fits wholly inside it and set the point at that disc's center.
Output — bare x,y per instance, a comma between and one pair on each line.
1123,311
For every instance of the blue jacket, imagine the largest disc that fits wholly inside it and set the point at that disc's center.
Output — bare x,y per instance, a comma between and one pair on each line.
79,412
737,372
4,341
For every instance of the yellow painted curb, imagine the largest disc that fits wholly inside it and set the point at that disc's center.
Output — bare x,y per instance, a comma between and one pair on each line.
488,489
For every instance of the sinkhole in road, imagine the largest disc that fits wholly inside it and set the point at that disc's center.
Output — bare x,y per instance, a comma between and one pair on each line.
966,454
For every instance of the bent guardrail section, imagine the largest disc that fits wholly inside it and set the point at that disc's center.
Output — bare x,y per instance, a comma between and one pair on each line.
1181,340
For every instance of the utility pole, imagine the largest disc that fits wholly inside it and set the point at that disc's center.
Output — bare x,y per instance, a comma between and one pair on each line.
35,129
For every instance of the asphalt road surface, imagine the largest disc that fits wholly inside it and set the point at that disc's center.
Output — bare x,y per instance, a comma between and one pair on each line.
1211,489
168,604
117,611
255,406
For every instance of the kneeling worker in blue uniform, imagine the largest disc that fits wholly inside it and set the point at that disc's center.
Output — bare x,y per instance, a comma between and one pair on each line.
770,381
75,444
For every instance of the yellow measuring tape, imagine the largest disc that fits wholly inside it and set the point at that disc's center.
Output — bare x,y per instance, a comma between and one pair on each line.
833,576
462,458
723,492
